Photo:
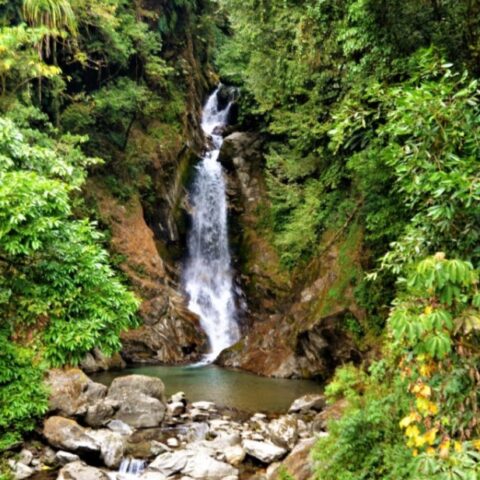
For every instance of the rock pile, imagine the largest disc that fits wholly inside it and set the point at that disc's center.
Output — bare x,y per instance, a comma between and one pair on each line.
92,429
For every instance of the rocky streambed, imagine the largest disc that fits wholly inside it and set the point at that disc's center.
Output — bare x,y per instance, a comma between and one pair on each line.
131,430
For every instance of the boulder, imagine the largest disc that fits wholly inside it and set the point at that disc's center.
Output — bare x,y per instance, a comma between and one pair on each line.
176,408
101,413
196,464
20,470
81,471
298,464
112,446
96,361
178,397
71,391
120,427
140,399
203,467
63,457
234,455
308,402
66,434
284,431
264,451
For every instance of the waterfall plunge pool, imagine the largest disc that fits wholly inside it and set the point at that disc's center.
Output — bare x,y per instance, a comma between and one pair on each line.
227,388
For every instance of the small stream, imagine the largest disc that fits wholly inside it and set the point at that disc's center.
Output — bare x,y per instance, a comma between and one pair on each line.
229,388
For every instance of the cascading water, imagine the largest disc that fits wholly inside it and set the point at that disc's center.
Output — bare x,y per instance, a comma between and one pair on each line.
132,467
208,276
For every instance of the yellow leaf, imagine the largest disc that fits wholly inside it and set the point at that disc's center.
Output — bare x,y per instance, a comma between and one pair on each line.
412,431
457,446
430,436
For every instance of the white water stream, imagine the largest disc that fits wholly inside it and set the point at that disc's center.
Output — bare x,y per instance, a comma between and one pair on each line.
208,275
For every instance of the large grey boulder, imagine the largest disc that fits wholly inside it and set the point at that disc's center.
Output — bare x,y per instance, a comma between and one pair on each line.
308,402
197,464
71,391
112,446
140,399
66,434
298,464
264,451
81,471
284,431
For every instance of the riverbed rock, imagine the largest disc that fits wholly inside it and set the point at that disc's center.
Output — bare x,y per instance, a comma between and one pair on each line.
195,464
178,397
66,434
20,471
266,452
62,457
71,391
81,471
101,413
298,464
112,446
284,431
234,455
176,408
141,400
308,402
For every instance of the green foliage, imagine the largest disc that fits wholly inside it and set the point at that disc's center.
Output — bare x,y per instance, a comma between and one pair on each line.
58,294
365,443
23,397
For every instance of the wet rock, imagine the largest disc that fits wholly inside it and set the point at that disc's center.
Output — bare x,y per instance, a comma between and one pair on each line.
264,451
141,400
119,427
112,446
63,457
207,406
176,408
170,463
71,391
64,433
234,455
100,413
308,402
152,476
284,431
298,464
178,397
195,464
81,471
198,415
203,467
20,470
173,442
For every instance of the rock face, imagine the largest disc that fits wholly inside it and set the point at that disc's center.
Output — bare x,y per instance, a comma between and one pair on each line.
96,361
296,322
170,334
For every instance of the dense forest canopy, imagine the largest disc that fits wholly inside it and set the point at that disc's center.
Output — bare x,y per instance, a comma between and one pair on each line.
371,114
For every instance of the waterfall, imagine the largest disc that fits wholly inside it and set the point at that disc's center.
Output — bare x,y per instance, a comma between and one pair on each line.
132,467
208,275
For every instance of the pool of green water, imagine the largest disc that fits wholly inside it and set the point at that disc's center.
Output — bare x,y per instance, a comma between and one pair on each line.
227,388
